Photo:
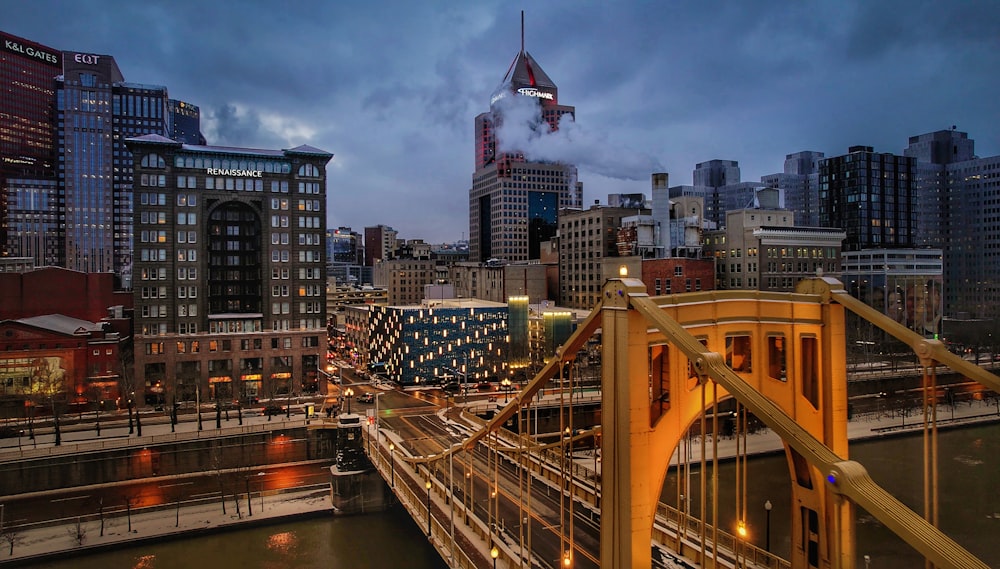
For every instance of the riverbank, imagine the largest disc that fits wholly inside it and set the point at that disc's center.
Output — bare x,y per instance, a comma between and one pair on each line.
69,538
860,428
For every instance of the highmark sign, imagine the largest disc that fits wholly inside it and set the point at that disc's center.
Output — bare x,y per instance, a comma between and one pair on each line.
533,92
241,173
525,92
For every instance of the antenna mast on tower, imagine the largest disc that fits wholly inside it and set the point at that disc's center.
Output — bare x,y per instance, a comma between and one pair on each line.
522,31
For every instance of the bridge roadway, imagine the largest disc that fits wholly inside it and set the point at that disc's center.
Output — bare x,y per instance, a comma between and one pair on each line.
526,520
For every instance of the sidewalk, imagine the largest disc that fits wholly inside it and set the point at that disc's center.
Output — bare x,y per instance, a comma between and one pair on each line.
860,428
72,538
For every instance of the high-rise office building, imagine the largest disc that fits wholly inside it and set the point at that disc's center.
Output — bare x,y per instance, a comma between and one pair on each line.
344,246
77,109
184,122
588,252
29,196
870,196
800,182
515,200
380,244
960,197
230,276
85,134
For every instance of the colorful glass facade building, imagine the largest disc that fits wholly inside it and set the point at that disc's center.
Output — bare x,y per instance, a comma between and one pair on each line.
420,345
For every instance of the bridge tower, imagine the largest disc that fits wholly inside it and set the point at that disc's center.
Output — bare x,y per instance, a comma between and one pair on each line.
782,357
775,351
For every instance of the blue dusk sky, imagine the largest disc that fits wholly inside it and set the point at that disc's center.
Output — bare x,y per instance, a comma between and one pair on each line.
392,88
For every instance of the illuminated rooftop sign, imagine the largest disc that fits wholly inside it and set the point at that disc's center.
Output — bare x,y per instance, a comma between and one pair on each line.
30,52
242,173
533,92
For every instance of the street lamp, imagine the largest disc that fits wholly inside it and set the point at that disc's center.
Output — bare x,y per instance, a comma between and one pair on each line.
767,531
505,383
348,393
428,485
249,503
392,463
494,553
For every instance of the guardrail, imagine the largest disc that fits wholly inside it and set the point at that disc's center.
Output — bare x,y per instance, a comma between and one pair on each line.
11,454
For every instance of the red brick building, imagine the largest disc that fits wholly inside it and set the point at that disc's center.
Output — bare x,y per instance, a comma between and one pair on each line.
55,290
56,359
675,275
62,337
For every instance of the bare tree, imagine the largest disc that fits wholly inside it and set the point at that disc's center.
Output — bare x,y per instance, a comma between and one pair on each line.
12,536
218,467
97,397
78,532
177,510
126,360
100,513
47,385
130,501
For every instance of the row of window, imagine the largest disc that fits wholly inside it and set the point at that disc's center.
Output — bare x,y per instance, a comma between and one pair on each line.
665,286
153,292
303,290
194,347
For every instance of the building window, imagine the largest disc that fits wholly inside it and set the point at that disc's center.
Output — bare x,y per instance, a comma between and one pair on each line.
738,353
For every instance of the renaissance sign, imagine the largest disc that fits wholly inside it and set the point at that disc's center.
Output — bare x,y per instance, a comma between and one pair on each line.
241,173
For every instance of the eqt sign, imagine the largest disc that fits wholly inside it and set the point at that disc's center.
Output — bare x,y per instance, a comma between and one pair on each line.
86,58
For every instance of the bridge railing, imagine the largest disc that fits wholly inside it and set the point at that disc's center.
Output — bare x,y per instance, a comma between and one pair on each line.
681,528
448,521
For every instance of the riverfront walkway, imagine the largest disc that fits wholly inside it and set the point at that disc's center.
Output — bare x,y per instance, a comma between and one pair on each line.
69,538
167,522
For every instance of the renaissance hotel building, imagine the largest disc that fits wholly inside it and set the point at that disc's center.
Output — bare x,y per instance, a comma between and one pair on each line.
229,279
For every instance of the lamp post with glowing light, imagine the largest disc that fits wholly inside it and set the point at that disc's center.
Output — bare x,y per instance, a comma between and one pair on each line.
741,533
348,393
767,531
428,484
392,463
494,553
505,383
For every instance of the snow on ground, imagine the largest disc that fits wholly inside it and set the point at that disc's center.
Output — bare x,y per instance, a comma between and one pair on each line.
159,524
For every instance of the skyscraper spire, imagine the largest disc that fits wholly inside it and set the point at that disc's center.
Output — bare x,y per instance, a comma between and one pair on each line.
522,31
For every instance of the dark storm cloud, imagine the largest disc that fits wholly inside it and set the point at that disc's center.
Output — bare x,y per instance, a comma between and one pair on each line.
392,87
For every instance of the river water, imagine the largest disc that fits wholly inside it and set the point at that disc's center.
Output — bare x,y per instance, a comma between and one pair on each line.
370,541
969,494
969,513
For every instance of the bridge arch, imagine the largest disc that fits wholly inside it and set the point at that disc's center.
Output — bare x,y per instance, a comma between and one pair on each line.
778,345
782,357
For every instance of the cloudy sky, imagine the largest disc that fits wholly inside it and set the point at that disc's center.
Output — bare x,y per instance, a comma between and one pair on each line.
392,87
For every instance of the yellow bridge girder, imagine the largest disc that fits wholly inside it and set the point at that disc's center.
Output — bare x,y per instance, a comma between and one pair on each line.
658,364
805,404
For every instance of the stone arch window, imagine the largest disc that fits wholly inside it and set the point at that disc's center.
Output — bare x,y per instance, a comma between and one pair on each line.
153,160
309,171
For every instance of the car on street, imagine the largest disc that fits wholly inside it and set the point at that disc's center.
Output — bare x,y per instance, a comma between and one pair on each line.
453,387
367,398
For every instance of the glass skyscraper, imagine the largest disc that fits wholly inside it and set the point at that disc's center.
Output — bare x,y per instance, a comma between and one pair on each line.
29,198
65,174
